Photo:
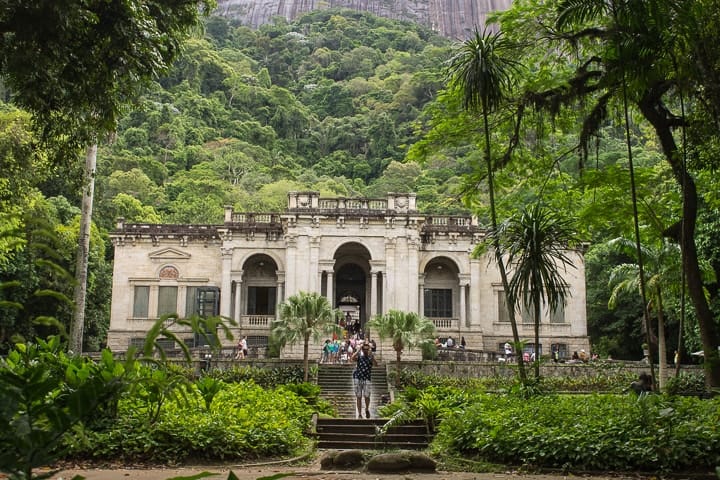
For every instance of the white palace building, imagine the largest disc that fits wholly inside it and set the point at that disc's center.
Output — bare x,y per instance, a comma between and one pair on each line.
366,255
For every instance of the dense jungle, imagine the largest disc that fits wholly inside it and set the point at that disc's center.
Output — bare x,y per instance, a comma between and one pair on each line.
351,105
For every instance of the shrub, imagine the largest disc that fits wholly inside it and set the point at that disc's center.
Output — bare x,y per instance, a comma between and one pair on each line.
266,377
310,392
590,432
686,383
243,421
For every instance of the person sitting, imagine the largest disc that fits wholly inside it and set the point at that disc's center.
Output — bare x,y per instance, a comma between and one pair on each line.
583,356
643,385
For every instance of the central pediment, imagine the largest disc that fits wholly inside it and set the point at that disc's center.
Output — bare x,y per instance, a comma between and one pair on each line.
169,254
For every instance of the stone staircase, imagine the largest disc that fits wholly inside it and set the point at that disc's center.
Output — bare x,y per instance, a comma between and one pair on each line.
362,434
345,431
335,381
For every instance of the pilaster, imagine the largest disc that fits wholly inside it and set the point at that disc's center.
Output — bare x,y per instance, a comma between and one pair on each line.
226,285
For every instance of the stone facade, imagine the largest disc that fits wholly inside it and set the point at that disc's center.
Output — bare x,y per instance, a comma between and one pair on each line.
366,255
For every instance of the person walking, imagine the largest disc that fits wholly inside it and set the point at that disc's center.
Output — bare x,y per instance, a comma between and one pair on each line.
365,360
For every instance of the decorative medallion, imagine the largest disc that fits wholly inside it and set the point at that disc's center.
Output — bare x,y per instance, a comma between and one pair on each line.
169,273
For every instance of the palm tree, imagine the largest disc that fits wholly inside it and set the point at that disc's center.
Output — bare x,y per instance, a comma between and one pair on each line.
302,316
663,278
536,242
482,70
405,329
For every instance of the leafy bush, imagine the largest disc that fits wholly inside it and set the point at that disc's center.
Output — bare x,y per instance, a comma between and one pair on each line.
686,383
243,421
44,393
310,392
266,377
596,432
609,380
431,405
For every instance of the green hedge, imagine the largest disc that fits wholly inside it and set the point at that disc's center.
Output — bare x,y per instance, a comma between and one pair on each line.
267,377
244,421
588,432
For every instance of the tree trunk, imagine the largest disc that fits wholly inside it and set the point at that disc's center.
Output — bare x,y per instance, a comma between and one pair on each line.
83,252
536,307
496,246
652,109
306,355
662,346
398,358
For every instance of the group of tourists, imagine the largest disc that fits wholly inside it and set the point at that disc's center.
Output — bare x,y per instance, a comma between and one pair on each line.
450,343
341,351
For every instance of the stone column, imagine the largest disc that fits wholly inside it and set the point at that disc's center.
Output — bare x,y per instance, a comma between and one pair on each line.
373,293
330,288
390,273
316,280
280,293
290,261
226,286
278,299
385,289
413,245
421,294
464,280
153,301
238,300
475,313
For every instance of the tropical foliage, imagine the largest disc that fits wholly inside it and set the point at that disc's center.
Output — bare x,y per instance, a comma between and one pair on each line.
482,72
537,245
405,330
589,432
304,316
350,104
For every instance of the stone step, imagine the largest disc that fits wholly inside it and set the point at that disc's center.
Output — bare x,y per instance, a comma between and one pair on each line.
336,433
336,386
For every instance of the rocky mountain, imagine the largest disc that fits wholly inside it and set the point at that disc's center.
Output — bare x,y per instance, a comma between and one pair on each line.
454,19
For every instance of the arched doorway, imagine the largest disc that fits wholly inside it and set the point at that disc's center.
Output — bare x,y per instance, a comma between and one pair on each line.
352,286
441,294
350,283
259,287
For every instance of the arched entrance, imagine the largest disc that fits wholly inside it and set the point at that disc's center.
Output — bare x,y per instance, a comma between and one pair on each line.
441,300
351,285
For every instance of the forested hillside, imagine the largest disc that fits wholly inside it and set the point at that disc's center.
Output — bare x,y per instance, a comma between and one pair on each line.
327,103
350,105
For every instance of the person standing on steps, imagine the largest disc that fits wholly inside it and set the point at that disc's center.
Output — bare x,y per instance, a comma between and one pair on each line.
365,360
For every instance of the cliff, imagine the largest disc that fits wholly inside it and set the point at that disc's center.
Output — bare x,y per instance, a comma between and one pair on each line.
454,19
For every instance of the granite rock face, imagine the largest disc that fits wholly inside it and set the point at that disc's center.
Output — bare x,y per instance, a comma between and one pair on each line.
454,19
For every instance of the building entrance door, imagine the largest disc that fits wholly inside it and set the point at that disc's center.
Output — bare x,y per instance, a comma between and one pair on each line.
350,283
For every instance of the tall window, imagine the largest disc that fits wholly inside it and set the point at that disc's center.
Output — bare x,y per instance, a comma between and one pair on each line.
526,314
167,300
261,300
190,301
203,301
558,316
438,303
561,348
141,300
503,313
